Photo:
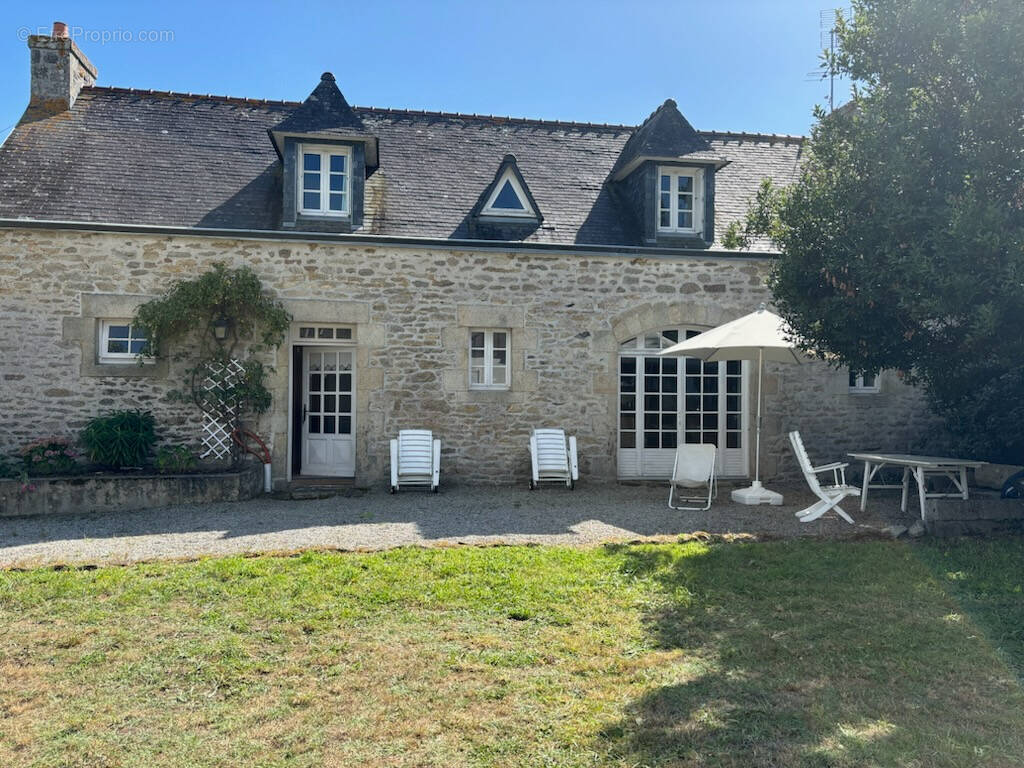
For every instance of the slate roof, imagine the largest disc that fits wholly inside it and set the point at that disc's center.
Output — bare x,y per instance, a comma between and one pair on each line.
158,158
325,111
666,133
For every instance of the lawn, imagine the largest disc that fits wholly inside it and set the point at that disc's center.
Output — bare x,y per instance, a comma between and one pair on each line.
800,653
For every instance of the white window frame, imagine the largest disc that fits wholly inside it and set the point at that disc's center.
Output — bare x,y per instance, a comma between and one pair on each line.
488,366
697,174
118,358
325,152
859,388
323,334
526,213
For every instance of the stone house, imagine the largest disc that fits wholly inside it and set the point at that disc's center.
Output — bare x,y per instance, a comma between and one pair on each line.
476,275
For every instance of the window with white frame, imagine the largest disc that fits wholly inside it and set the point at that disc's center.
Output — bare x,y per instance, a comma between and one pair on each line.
309,334
324,180
680,200
508,199
488,360
121,342
864,383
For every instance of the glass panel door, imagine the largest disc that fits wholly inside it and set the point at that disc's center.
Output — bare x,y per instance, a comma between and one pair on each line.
665,400
328,447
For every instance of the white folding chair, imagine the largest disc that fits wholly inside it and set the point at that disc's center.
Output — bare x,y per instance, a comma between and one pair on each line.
829,496
415,459
553,458
694,467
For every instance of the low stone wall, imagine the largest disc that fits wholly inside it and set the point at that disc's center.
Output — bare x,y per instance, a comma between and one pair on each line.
123,493
994,475
983,514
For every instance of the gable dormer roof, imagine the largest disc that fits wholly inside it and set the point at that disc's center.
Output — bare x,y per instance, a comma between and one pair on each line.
508,194
94,163
665,136
325,114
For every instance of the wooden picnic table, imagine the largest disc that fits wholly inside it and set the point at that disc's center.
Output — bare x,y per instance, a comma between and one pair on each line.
920,467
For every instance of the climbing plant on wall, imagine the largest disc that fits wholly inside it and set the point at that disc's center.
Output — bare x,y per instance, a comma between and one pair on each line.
220,321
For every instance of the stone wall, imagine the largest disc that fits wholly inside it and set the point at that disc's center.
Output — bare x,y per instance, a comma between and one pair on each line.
412,308
127,492
983,514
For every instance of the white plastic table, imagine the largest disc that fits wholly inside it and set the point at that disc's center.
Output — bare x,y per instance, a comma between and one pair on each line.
920,467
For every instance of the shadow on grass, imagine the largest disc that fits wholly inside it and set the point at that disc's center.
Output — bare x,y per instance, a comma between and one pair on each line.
801,654
986,578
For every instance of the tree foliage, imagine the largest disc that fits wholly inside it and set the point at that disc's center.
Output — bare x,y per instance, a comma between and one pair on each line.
192,307
187,315
903,239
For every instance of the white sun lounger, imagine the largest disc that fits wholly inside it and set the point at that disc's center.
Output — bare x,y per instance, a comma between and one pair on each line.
415,459
694,468
829,496
553,458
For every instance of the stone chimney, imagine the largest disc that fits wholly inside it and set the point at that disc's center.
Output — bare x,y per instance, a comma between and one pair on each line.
59,70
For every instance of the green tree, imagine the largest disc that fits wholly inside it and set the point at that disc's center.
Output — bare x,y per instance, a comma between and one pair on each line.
903,239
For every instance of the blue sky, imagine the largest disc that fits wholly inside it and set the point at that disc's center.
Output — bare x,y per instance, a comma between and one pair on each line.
730,64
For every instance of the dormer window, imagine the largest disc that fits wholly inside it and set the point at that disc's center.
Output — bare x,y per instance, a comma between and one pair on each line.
508,198
324,180
680,200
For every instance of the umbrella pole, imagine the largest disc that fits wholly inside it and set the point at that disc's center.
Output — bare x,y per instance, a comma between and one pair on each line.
756,493
760,394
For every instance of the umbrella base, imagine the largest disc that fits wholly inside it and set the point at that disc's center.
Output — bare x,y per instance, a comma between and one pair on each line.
756,494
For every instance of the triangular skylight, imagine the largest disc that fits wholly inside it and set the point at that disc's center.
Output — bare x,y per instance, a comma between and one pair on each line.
509,196
508,199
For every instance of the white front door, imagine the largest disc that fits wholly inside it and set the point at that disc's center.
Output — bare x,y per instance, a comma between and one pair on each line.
328,428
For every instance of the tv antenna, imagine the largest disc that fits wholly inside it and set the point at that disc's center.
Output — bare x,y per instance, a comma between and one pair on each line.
827,41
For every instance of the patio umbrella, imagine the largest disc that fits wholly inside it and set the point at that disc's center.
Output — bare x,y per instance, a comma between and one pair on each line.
760,336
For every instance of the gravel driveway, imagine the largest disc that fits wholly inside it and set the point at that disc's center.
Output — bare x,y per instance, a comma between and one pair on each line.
371,520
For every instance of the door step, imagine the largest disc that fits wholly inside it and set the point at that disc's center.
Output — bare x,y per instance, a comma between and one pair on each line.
321,488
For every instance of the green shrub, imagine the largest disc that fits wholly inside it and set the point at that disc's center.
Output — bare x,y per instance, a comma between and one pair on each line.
11,467
174,459
120,439
49,456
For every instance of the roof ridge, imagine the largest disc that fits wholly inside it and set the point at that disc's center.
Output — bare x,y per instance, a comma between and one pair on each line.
440,113
755,135
377,110
494,118
189,95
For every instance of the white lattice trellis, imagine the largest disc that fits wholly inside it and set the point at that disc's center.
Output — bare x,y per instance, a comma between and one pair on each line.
219,409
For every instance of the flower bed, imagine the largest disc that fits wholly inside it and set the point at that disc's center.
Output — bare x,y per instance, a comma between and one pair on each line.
109,492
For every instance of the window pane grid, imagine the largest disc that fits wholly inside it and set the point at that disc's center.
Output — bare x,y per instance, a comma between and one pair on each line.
679,399
488,360
324,182
864,382
627,402
329,402
122,340
325,332
678,200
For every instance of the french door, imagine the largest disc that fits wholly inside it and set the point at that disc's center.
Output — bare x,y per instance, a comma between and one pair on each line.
664,401
328,428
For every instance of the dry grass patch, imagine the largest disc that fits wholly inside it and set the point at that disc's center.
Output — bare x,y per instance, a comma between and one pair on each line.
782,653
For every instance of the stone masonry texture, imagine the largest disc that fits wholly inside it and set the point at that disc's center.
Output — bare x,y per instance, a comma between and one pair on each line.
411,309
